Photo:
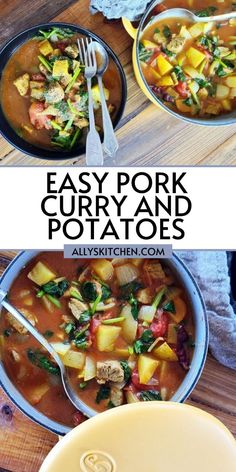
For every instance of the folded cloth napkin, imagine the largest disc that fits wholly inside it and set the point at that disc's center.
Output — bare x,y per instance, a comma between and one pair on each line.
212,270
131,9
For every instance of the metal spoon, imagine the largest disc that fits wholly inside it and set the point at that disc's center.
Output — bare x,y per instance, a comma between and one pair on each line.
183,13
71,394
110,142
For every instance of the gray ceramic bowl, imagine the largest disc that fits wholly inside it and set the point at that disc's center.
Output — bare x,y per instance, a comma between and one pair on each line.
201,339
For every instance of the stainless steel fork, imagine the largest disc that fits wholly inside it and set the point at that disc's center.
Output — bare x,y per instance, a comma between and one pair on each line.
94,152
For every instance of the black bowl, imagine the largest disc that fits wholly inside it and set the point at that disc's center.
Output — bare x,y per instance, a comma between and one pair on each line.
5,128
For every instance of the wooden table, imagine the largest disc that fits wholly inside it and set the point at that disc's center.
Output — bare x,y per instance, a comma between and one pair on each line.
147,135
24,445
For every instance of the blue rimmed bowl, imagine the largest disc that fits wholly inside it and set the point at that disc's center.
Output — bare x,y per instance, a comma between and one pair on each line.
196,304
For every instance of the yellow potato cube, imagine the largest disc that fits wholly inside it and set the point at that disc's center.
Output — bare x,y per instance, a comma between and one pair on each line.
156,76
183,107
22,84
90,369
35,394
222,91
106,337
146,368
180,310
149,44
74,359
231,81
103,268
164,66
196,29
122,352
45,48
227,104
193,72
184,33
165,353
96,93
60,68
195,57
61,348
129,325
166,81
232,92
41,274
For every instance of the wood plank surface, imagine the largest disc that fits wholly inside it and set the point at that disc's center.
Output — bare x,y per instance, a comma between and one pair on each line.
147,135
24,445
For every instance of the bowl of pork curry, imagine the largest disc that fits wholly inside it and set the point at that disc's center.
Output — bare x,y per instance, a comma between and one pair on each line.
43,91
127,330
188,69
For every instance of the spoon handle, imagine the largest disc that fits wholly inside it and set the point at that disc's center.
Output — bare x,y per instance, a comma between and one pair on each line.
110,142
23,320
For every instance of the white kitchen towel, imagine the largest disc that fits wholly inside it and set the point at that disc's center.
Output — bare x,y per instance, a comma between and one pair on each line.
131,9
211,269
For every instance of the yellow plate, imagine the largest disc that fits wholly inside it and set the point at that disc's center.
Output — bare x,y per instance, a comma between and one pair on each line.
146,437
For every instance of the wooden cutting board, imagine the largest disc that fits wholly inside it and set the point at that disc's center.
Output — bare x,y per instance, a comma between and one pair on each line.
147,135
24,445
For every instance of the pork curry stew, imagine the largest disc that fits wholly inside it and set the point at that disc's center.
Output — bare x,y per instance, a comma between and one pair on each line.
123,329
44,81
191,67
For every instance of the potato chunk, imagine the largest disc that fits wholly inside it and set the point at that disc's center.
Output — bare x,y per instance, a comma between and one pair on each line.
45,48
103,268
74,359
195,56
41,274
165,353
164,66
106,337
129,325
22,84
146,368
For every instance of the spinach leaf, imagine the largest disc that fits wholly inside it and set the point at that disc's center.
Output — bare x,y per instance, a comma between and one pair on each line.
134,306
144,342
179,73
166,32
188,101
85,317
128,289
144,54
48,334
127,370
103,393
54,289
106,292
69,328
7,332
89,291
40,360
150,395
169,306
206,11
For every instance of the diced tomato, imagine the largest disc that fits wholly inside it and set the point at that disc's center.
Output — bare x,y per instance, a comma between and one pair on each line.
39,121
158,9
154,56
160,325
95,323
78,418
139,386
140,330
62,46
181,88
38,77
